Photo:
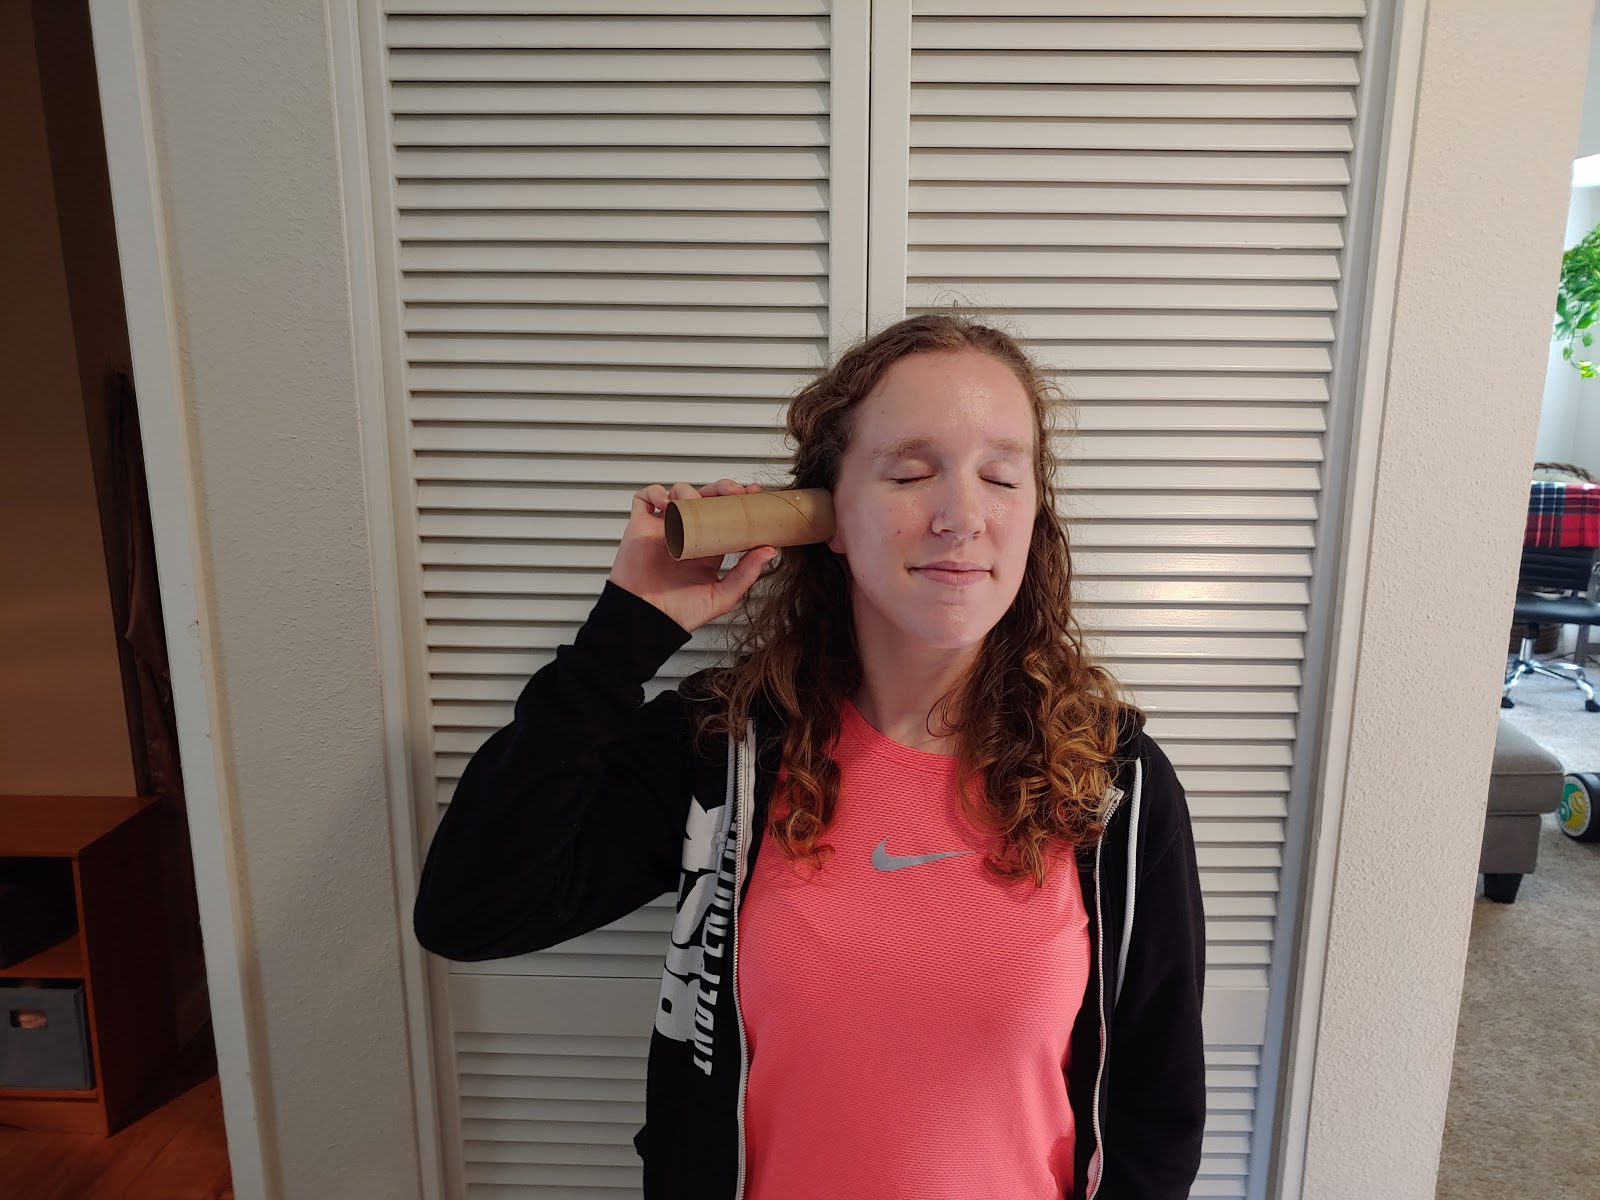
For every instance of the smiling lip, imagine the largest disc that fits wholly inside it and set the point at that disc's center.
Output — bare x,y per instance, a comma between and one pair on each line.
956,574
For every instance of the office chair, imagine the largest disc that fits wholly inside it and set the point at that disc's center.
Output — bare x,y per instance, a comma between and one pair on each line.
1574,572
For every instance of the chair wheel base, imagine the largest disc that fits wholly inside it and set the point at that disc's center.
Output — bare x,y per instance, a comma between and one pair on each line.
1592,705
1507,702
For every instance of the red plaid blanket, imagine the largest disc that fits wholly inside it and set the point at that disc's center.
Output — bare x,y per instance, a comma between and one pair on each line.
1563,514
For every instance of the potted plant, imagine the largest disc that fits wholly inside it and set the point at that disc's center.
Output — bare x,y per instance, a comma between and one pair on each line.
1578,301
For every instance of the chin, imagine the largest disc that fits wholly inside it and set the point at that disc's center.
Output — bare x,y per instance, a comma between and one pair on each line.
913,621
966,636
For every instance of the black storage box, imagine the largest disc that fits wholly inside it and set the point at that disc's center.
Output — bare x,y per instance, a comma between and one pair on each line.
37,908
44,1037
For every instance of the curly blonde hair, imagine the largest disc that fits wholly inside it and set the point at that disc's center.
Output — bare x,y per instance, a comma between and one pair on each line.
1039,721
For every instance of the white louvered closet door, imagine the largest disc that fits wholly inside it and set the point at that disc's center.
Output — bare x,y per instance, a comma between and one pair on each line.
624,233
1153,195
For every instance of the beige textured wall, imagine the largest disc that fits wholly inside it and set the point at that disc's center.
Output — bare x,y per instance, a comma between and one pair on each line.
246,150
63,725
1497,127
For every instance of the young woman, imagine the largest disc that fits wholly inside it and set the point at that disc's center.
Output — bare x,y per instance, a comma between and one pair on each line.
939,929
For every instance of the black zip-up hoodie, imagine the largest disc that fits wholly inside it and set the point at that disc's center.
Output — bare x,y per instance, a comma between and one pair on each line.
592,803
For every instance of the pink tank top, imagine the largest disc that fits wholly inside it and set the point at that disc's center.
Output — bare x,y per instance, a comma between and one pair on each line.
908,1013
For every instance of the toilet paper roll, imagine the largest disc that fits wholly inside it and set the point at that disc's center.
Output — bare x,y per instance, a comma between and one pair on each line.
731,524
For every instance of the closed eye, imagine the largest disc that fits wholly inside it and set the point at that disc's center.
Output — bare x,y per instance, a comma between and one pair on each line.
916,478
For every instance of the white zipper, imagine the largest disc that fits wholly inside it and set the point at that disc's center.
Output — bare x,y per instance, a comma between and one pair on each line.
1132,893
1097,1163
745,757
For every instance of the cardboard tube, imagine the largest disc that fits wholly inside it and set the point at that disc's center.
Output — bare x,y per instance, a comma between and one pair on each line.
731,524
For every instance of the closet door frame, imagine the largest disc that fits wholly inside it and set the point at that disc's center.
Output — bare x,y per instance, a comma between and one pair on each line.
863,299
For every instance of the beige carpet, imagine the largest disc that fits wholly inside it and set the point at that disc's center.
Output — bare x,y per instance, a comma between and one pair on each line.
1524,1115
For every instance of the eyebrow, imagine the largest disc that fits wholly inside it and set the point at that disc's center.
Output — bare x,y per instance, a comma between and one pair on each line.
915,445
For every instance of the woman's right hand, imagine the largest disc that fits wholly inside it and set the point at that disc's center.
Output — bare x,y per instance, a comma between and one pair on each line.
688,591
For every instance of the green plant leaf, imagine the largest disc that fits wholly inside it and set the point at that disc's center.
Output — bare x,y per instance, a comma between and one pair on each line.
1578,300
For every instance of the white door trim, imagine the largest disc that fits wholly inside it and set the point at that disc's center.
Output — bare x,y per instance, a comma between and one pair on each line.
1316,904
368,195
170,468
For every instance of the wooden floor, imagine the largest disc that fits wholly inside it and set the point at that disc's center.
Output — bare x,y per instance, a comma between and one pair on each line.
177,1152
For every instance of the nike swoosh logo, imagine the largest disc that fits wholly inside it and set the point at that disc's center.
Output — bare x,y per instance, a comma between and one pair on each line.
884,861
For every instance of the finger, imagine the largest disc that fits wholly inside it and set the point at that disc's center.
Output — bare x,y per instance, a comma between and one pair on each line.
722,487
653,497
684,491
745,572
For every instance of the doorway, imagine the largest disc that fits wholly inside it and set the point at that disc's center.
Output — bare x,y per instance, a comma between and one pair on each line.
90,778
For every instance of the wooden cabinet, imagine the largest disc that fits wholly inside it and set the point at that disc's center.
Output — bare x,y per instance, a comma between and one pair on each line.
118,952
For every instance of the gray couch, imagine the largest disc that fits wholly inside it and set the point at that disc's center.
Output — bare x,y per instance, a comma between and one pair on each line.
1524,783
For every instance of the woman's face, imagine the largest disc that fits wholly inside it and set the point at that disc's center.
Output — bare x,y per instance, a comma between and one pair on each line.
936,499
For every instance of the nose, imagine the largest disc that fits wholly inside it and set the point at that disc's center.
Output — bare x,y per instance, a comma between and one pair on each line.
959,510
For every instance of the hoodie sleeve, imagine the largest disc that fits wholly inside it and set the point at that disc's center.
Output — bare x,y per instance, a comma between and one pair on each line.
572,815
1155,1084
